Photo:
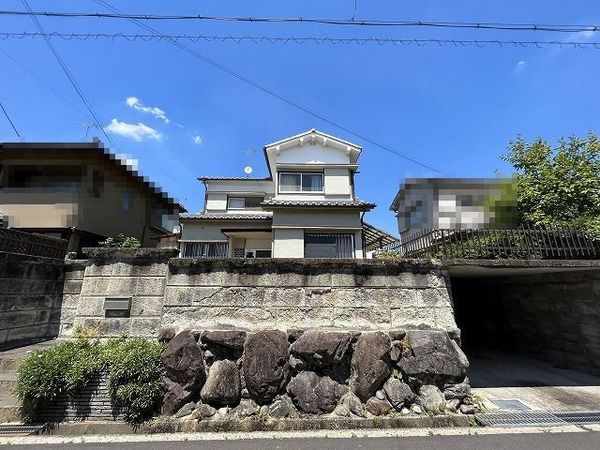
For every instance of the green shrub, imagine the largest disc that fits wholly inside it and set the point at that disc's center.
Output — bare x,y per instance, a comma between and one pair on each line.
45,374
135,375
120,241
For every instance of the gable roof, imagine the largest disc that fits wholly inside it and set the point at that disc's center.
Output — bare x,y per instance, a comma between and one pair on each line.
97,148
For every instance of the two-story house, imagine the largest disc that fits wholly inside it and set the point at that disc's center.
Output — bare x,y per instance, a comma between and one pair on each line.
305,208
80,192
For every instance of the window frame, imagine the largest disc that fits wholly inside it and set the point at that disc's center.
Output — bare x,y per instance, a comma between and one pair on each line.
301,191
245,197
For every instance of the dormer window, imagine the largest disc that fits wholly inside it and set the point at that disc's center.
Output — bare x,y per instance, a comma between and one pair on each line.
300,182
244,202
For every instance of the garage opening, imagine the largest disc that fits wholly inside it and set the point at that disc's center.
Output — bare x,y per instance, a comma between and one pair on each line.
531,333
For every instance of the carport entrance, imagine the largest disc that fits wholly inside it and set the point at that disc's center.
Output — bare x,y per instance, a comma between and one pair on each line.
531,330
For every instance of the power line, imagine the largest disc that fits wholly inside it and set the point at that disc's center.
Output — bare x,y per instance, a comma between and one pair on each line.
9,119
67,72
46,85
272,93
562,28
322,40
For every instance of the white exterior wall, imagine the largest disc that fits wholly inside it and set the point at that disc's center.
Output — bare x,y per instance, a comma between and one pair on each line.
216,202
288,243
337,182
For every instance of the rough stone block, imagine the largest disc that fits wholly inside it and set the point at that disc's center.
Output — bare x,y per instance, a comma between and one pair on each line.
202,277
72,286
359,277
146,306
361,318
91,306
145,327
283,297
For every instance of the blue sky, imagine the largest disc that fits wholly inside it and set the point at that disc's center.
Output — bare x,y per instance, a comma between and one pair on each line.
453,108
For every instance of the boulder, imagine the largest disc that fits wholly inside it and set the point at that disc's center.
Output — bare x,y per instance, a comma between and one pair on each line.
433,356
378,407
321,349
398,393
457,391
247,408
175,397
468,409
314,394
183,361
370,364
266,364
203,411
282,408
230,339
223,386
186,410
431,399
353,403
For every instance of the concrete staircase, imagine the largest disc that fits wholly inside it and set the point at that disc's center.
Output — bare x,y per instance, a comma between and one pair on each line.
9,364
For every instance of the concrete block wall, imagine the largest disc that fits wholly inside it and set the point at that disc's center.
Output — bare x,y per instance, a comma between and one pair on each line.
139,274
30,298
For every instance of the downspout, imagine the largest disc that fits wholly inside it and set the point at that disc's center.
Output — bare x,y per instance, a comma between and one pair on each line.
362,236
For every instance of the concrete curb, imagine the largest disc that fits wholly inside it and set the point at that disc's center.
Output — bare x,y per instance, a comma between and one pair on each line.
256,424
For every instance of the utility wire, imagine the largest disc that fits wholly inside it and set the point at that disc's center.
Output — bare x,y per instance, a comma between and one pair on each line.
274,94
562,28
67,72
9,119
46,85
323,40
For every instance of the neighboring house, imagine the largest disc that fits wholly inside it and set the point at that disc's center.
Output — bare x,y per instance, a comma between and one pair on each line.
449,203
306,207
80,192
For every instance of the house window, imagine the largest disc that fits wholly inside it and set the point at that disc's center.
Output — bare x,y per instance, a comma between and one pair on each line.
328,245
258,253
300,182
244,202
204,250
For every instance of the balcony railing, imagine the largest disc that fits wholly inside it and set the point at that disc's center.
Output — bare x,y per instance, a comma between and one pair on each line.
32,244
520,243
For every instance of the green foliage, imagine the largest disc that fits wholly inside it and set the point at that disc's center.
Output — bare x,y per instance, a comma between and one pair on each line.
121,241
561,185
389,254
134,374
45,374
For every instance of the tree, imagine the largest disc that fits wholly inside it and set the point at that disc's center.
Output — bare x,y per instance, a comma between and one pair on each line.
558,186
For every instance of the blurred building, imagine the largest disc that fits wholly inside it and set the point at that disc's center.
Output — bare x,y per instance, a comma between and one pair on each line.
454,203
80,192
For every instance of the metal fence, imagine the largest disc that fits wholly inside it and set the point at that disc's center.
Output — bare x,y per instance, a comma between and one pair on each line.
520,243
32,244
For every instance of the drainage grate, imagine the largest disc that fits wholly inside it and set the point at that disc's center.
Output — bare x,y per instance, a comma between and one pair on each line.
579,417
511,404
12,429
537,418
518,419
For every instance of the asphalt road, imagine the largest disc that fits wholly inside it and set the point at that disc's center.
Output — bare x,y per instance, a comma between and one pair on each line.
537,441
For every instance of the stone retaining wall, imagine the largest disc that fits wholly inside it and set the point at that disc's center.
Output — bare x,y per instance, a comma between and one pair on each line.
30,298
258,294
219,375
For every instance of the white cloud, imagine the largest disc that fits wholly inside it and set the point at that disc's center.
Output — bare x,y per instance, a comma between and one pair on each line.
136,103
197,139
138,132
519,67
